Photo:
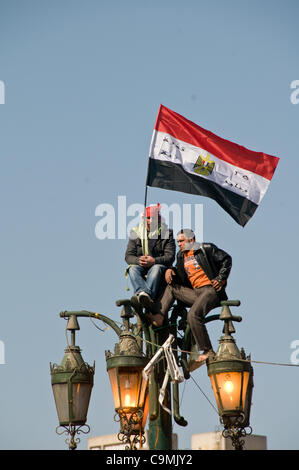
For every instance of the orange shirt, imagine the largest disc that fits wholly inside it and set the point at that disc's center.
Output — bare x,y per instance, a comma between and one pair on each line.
195,273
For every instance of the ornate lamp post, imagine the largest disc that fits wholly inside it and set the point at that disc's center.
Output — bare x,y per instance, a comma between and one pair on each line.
134,396
231,375
72,382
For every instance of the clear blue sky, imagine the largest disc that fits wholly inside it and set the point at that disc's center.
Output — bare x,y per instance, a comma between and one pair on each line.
83,83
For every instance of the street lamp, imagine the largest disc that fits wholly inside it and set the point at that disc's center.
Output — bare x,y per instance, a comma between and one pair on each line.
129,387
135,396
72,382
125,366
231,376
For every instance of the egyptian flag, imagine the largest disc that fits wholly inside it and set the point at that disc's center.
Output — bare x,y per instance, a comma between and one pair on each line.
185,157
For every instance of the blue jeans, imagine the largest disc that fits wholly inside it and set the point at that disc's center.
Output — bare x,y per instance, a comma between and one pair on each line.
151,284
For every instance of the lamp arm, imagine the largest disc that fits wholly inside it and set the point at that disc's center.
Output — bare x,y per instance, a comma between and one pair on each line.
85,313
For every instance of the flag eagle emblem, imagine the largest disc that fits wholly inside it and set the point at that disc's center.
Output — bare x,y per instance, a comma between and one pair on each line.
203,166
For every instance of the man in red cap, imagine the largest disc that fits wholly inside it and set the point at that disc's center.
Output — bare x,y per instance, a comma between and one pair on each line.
150,250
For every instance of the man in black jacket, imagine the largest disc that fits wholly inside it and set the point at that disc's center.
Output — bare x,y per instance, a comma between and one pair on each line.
150,250
198,281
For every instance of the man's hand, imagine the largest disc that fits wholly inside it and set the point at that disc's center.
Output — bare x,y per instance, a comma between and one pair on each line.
217,284
169,273
146,261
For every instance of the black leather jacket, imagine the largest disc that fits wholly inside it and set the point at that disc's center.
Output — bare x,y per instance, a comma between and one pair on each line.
215,262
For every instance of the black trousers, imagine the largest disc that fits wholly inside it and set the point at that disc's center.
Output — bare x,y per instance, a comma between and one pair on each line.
201,301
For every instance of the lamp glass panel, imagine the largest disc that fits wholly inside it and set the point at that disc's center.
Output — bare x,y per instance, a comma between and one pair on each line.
247,396
81,397
229,385
60,391
212,377
114,386
245,385
129,381
143,390
145,411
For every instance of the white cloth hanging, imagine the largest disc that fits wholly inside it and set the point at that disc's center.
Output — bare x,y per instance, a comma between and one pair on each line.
172,372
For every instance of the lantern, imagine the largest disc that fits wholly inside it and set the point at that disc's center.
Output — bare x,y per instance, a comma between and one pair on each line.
231,376
129,387
232,383
72,382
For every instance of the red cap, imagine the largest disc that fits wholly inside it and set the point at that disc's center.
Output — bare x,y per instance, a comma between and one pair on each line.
152,211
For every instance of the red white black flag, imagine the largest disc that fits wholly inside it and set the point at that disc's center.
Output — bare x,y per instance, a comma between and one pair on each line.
185,157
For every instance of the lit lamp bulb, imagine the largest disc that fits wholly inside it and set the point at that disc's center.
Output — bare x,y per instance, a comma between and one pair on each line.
228,386
128,391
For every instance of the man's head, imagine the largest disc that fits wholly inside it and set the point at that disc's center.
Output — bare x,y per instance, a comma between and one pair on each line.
152,216
185,239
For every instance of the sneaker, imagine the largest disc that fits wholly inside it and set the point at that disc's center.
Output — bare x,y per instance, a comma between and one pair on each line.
145,300
135,302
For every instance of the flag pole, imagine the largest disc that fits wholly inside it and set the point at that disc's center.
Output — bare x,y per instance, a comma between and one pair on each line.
145,194
145,200
145,197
